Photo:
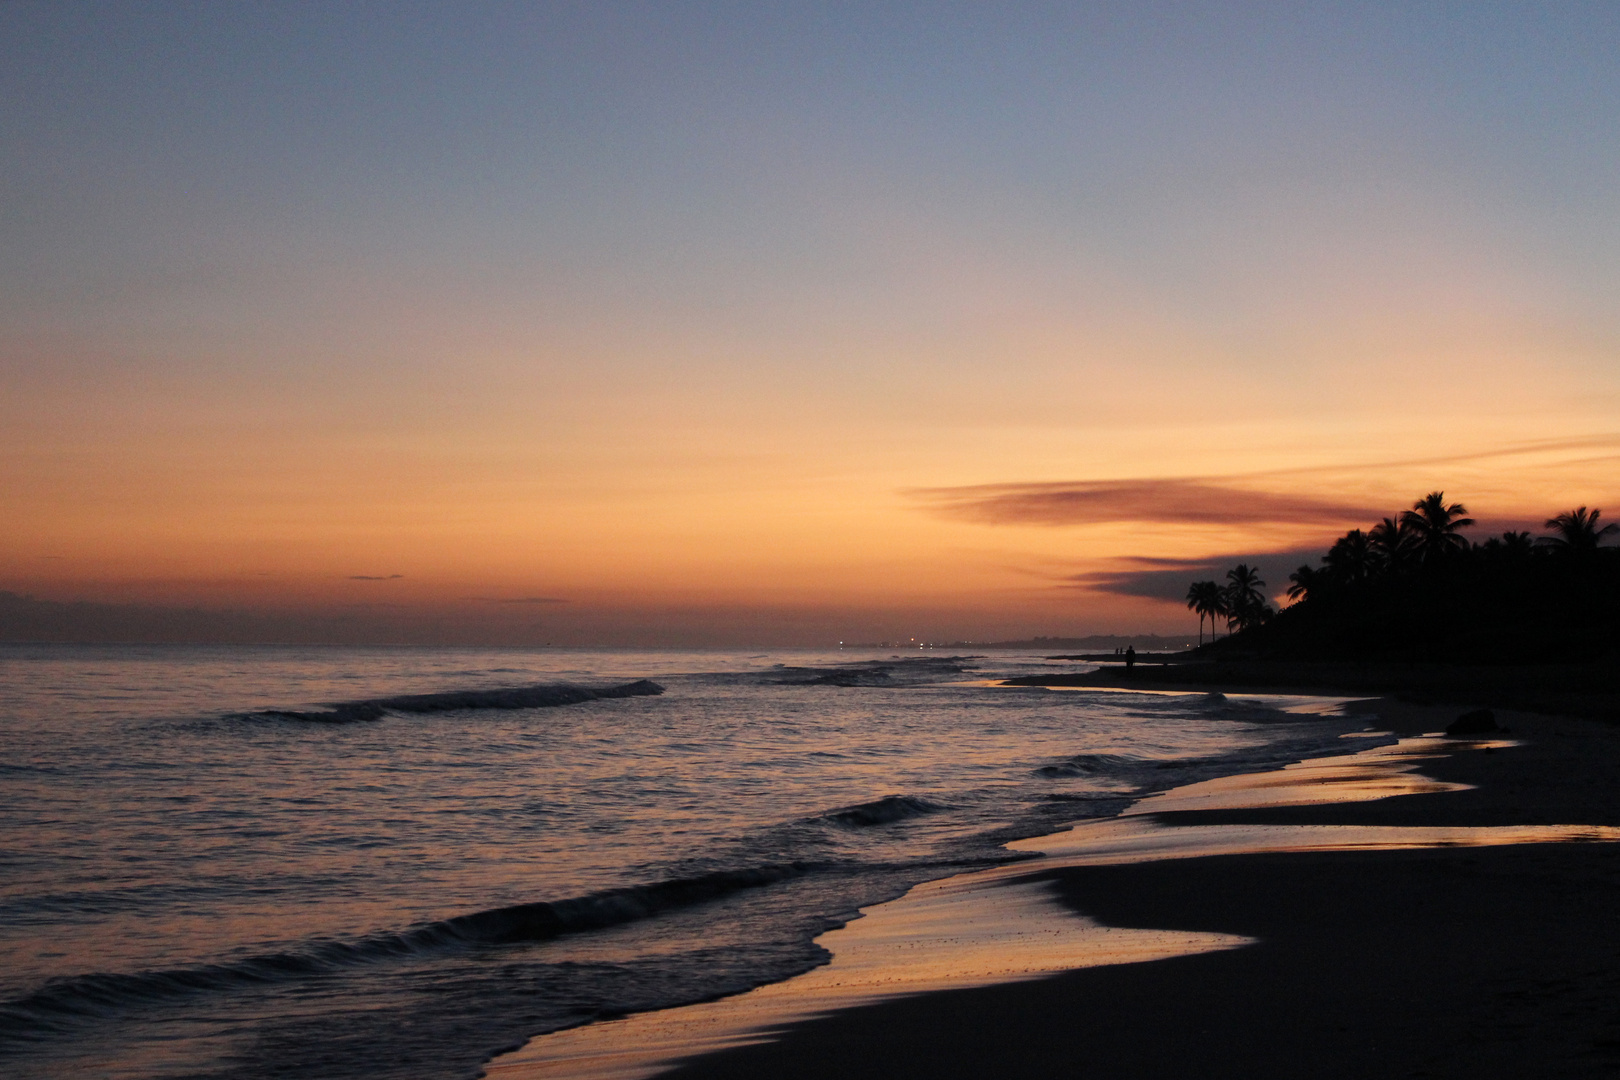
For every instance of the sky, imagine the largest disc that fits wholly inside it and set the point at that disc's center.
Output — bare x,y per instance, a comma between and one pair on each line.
736,324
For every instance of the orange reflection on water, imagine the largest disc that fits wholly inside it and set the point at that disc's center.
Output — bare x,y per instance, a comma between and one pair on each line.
971,930
1003,925
1372,774
1137,839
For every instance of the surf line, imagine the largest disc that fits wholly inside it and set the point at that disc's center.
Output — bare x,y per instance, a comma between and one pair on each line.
1005,924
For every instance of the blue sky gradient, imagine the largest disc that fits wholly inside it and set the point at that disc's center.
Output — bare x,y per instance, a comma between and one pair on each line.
279,283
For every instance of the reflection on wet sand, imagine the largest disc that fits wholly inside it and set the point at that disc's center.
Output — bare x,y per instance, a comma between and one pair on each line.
1377,773
971,930
1132,840
1003,924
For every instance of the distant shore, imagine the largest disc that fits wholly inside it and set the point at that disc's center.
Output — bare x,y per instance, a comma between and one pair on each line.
1095,642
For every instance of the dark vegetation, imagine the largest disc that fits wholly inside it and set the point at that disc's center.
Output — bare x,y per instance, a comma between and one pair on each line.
1413,588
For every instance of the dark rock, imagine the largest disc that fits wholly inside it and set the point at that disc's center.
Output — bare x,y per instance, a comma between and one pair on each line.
1478,722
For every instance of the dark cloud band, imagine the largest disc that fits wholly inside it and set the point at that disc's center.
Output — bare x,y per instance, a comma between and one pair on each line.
1167,579
1228,500
1160,500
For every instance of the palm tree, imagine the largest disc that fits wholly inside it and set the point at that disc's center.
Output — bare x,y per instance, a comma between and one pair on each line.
1511,548
1390,544
1245,603
1218,608
1305,580
1519,543
1204,597
1431,527
1577,531
1350,559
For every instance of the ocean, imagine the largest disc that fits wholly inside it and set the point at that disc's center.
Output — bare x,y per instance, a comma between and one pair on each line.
241,862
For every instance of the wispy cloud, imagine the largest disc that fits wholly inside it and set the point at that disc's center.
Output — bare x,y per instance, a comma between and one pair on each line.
521,600
1558,449
375,577
1166,500
1259,498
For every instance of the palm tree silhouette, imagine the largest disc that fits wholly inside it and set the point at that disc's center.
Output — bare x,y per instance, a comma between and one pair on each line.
1390,544
1245,604
1577,531
1511,548
1438,596
1520,543
1218,608
1351,558
1431,527
1204,597
1303,581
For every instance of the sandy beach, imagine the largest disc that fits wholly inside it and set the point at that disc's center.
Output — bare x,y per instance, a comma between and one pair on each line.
1299,933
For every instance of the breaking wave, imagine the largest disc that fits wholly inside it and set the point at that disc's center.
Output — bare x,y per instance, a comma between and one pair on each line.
902,671
882,811
37,1016
542,696
1088,765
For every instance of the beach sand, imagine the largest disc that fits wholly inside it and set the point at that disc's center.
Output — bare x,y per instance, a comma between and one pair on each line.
1285,939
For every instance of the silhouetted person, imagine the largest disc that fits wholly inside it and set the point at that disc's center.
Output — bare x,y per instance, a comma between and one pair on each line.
1130,657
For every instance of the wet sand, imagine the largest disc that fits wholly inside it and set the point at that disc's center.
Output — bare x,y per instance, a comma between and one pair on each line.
1299,933
1588,690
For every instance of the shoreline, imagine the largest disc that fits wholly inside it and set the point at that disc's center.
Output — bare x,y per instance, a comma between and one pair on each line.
1591,691
1412,935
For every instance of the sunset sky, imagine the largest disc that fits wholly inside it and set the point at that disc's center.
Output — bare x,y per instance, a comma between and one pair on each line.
727,323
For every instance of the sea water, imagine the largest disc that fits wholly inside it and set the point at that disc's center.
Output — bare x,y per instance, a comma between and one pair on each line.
200,877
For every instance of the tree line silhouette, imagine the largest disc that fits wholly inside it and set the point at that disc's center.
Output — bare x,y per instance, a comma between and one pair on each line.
1414,586
1240,601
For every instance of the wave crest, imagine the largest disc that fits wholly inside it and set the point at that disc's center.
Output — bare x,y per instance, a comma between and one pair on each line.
1087,765
541,696
44,1013
882,811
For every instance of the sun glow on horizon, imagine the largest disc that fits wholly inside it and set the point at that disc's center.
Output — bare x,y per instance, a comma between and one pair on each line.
941,326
